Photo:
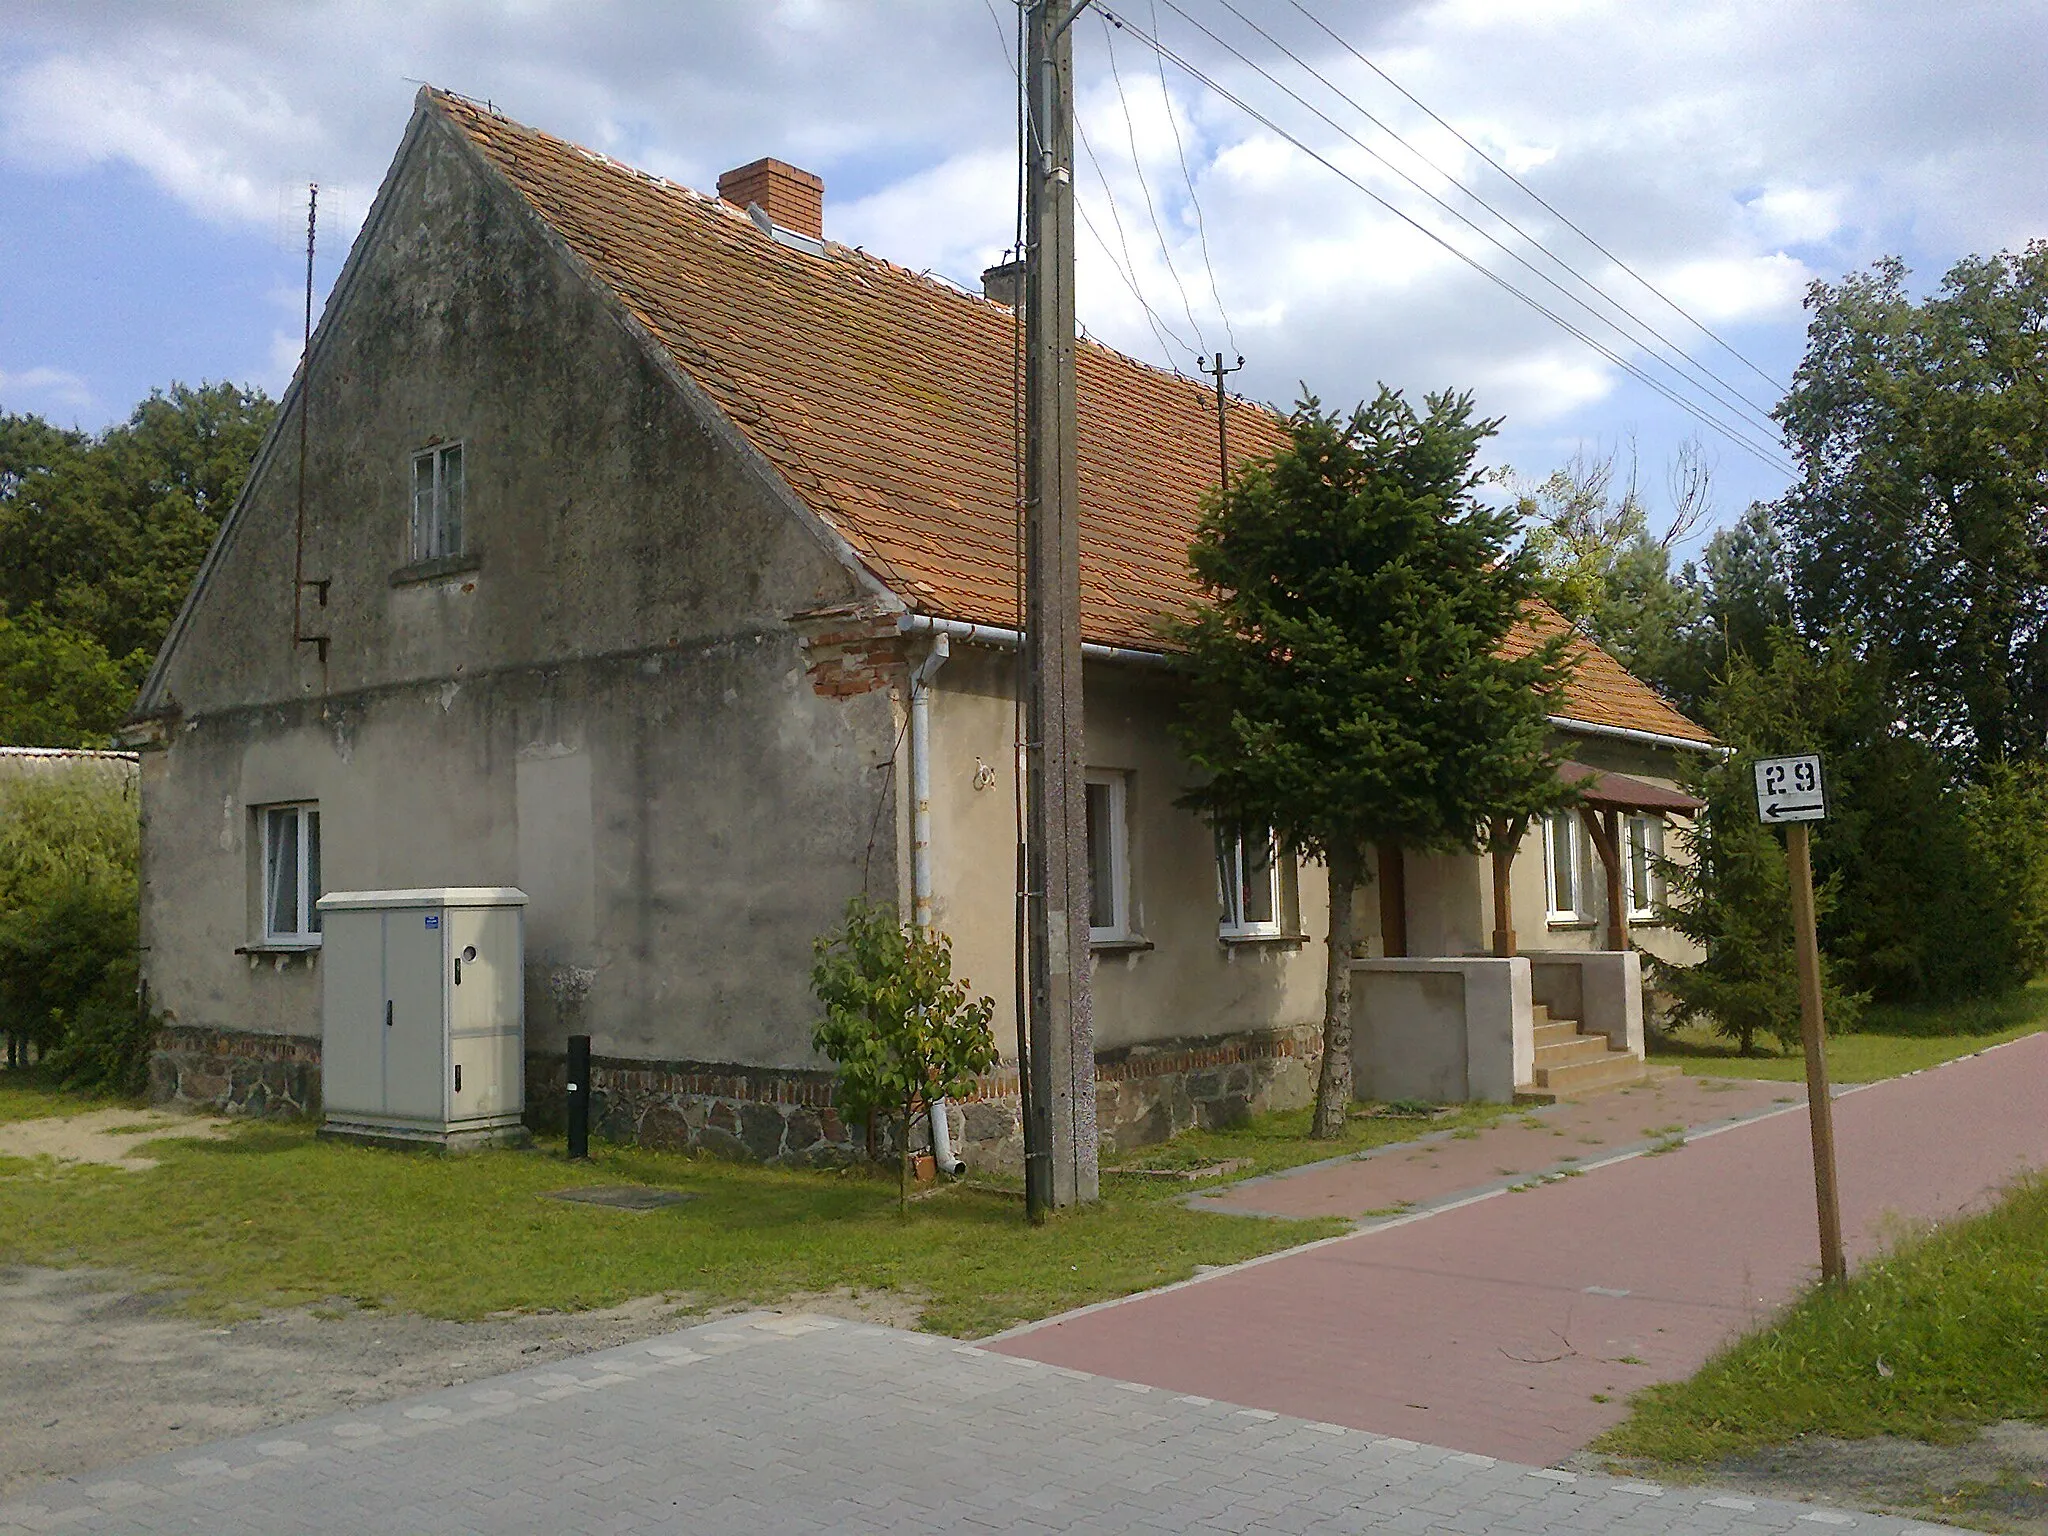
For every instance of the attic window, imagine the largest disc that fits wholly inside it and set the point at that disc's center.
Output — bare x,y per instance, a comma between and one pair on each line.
437,502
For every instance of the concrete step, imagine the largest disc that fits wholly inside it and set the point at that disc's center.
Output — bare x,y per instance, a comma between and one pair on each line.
1557,1032
1542,1012
1616,1069
1570,1052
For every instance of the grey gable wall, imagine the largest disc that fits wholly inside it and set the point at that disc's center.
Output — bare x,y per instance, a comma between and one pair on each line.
608,708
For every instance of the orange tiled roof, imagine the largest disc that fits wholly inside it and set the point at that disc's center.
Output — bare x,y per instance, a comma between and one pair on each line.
1601,690
885,400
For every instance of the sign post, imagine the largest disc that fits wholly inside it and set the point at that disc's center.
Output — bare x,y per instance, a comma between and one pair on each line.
1790,792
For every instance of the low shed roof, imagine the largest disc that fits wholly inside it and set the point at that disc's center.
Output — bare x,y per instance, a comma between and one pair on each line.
1618,792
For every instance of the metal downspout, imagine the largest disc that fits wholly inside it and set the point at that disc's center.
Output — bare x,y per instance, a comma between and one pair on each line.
921,849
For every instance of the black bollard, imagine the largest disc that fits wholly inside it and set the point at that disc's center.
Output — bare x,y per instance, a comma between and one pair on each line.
579,1096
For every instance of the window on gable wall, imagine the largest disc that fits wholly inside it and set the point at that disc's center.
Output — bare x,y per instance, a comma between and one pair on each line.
291,873
437,502
1109,857
1248,882
1565,847
1645,874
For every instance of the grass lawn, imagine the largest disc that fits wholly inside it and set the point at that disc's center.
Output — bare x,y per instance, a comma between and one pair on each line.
1890,1041
23,1098
1947,1334
270,1216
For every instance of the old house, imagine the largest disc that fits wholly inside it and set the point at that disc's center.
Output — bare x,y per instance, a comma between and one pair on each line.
642,544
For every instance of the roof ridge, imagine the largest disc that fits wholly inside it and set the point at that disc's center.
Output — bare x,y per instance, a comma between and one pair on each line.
882,398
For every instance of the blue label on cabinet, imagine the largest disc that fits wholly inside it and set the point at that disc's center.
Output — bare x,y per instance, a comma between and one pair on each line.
433,919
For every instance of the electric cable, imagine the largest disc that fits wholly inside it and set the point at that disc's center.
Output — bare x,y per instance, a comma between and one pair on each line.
1544,203
1754,409
1145,191
1752,416
1732,432
1160,329
1194,198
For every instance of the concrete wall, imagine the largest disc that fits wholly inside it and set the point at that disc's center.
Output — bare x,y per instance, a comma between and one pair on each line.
605,704
1442,1030
1179,981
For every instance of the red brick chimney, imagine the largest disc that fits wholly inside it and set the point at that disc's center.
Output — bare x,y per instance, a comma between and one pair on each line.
792,198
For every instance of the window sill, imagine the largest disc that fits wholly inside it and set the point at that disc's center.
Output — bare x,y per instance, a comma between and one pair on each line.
435,570
280,947
1262,938
1129,944
1571,924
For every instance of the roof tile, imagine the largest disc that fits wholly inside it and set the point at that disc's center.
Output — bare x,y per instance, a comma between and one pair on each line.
887,401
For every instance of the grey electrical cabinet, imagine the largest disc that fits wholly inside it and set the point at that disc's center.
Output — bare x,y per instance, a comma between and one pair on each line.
422,1019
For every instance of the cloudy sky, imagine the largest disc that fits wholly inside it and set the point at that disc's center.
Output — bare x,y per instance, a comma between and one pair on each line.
154,162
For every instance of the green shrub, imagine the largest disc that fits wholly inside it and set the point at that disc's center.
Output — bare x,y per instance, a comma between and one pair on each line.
900,1029
68,928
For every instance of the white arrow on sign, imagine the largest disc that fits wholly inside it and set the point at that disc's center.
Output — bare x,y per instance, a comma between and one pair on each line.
1790,789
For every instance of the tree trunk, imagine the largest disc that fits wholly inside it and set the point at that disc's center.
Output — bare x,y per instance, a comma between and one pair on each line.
1333,1089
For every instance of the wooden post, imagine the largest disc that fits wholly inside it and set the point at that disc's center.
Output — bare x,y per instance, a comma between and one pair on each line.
1819,1107
1503,836
1604,828
1393,901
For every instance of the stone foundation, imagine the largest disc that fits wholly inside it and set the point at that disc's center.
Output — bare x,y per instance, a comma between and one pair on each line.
222,1071
1143,1094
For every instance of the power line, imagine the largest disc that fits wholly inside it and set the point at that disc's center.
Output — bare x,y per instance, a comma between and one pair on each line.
1138,169
1733,433
1544,203
1160,329
1749,414
1755,411
1194,198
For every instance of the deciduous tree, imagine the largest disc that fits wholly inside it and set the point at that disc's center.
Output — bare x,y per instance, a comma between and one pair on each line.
1920,518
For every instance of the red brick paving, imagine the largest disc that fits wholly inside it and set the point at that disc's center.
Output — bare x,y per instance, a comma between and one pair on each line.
1485,1328
1445,1166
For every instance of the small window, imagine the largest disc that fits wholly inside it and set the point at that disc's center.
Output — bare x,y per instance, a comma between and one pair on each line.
1248,882
291,874
1564,867
1645,866
1109,861
437,502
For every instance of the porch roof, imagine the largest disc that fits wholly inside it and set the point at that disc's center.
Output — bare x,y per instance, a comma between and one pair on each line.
1618,792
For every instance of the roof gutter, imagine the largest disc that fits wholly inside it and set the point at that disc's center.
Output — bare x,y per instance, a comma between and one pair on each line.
1010,640
1629,733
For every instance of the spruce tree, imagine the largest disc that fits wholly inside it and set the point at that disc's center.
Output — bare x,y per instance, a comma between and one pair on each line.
1348,681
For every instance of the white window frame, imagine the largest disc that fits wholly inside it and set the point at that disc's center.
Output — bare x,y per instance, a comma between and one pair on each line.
1645,833
305,881
430,533
1119,927
1574,853
1230,888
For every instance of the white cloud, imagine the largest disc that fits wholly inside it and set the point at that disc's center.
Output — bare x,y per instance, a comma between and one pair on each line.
43,385
1728,152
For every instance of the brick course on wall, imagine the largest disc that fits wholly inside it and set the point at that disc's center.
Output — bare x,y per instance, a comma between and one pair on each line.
1144,1094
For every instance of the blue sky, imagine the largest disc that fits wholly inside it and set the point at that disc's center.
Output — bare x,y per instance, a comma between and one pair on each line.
153,163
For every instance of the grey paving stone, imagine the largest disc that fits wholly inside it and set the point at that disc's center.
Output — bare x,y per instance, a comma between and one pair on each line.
770,1423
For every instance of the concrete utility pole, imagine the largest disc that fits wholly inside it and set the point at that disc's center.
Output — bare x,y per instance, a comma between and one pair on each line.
1059,1134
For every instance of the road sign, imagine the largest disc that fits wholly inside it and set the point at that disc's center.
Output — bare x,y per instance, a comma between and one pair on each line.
1790,789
